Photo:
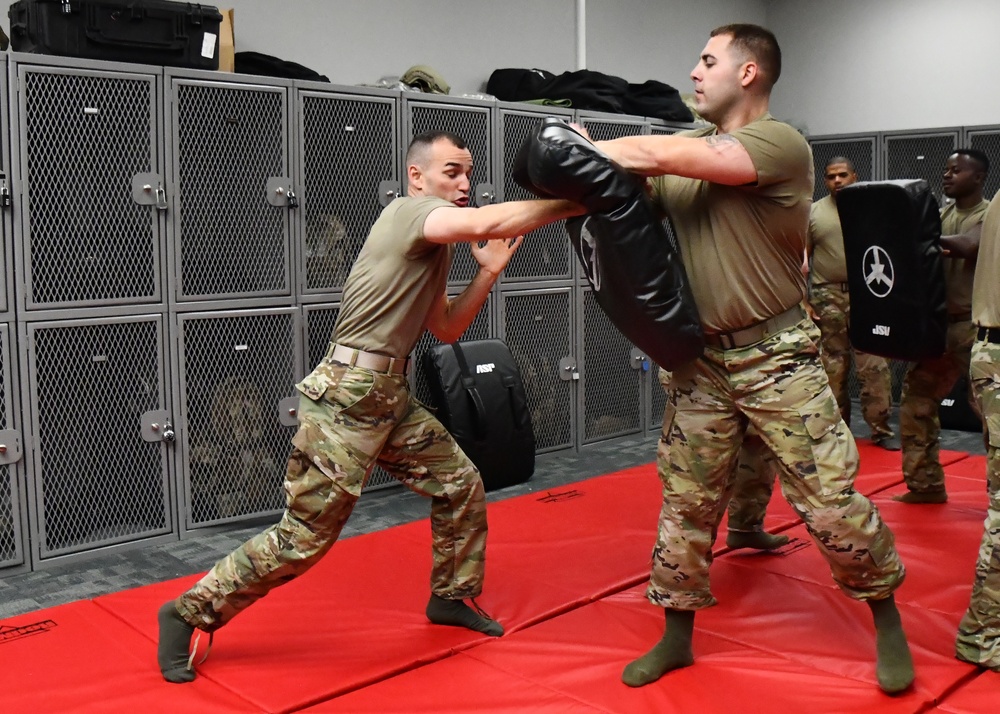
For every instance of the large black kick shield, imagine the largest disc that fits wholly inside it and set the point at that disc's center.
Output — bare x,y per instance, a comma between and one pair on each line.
631,262
892,232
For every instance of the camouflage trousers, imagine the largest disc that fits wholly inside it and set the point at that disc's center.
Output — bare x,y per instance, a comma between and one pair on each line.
833,315
753,480
979,631
926,383
779,387
350,419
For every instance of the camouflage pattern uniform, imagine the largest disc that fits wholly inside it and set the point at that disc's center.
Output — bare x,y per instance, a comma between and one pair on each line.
752,483
350,419
833,314
979,631
929,381
779,387
978,639
926,383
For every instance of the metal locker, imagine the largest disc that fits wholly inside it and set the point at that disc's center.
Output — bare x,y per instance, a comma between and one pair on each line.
472,120
230,189
613,376
12,501
603,126
987,140
914,155
89,179
860,149
538,329
546,253
100,430
348,170
237,405
6,199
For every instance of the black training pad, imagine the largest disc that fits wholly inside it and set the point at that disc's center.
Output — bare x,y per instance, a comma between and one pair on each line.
630,260
898,310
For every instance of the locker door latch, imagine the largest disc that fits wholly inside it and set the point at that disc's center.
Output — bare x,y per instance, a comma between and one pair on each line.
567,369
288,411
484,196
638,359
156,426
4,191
280,192
147,190
10,447
388,191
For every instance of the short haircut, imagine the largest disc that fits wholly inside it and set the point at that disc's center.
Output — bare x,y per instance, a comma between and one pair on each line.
840,160
757,43
976,155
417,152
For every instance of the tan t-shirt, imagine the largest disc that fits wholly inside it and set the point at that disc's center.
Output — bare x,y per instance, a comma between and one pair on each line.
394,282
826,243
742,245
959,272
986,290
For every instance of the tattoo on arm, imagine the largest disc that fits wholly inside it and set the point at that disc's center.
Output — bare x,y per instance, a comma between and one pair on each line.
721,141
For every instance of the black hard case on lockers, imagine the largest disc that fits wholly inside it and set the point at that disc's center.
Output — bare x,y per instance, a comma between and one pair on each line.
144,31
478,395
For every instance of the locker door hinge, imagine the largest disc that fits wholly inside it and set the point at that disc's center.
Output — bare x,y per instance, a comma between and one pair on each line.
10,447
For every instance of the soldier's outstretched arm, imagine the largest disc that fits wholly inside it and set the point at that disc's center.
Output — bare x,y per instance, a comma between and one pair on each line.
719,158
963,245
501,220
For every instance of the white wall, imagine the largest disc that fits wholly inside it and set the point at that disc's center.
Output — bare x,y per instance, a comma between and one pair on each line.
876,65
359,41
658,39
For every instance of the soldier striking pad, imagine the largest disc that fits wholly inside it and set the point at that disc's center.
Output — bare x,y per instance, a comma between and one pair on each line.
892,231
631,262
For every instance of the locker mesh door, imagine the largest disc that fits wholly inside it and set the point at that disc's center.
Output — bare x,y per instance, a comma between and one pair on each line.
860,150
86,242
545,253
11,540
320,320
537,329
349,147
235,369
472,124
97,482
230,140
605,130
920,156
988,141
480,329
612,390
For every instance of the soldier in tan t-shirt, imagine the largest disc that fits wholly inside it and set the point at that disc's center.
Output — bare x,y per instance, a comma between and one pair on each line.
831,303
929,381
355,410
978,639
738,194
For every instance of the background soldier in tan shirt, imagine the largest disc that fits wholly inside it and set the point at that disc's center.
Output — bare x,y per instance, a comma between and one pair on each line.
929,381
738,194
831,302
978,639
